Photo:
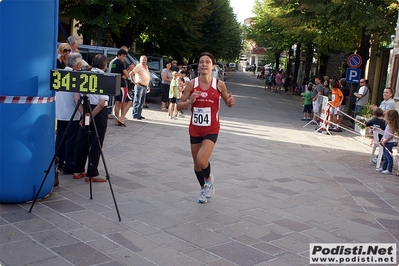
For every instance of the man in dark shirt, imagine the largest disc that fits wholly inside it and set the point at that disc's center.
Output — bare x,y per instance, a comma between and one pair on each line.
318,90
122,101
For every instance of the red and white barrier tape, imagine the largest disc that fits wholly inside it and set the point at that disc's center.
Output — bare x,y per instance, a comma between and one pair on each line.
360,122
389,152
25,99
371,127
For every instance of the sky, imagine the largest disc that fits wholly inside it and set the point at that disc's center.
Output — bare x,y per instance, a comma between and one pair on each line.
242,8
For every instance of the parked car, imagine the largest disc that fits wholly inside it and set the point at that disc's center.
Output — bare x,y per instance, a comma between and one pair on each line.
218,73
156,63
223,70
89,51
194,70
221,65
232,65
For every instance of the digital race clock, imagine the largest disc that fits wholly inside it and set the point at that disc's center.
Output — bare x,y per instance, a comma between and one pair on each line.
85,82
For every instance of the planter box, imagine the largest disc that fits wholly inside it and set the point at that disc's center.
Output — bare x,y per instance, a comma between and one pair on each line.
365,131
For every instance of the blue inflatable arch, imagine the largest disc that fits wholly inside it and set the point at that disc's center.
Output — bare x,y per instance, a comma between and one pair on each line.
28,34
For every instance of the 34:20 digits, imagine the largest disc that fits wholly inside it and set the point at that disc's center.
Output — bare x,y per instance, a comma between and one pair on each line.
86,83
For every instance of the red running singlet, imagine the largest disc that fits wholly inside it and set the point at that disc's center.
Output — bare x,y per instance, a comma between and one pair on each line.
205,110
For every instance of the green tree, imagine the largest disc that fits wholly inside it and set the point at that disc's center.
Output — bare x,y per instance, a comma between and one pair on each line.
221,32
179,29
270,29
102,20
344,25
323,27
176,32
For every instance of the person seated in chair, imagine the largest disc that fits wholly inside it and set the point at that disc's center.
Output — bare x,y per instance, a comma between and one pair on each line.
377,122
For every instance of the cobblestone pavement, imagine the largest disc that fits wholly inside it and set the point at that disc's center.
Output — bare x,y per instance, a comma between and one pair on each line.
279,187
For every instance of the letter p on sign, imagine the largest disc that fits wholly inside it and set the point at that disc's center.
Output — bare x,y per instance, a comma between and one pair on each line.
353,75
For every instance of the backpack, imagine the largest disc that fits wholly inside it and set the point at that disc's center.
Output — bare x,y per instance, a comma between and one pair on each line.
345,91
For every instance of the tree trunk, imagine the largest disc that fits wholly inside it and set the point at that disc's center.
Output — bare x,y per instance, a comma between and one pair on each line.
277,57
86,40
364,49
323,64
309,59
289,61
297,63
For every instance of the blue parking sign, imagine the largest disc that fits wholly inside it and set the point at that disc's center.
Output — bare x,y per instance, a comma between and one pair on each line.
353,75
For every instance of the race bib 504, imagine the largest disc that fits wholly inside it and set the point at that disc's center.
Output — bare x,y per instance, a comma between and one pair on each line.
201,116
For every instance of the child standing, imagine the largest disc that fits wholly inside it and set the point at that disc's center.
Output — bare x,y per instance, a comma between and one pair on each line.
173,94
336,100
307,103
182,84
267,83
392,120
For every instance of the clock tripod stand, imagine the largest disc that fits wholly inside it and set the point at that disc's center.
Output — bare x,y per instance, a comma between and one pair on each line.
86,120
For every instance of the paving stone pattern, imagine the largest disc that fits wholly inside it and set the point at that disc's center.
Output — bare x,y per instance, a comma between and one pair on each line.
279,187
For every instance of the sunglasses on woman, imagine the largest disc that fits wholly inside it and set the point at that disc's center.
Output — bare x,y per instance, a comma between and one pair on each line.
66,50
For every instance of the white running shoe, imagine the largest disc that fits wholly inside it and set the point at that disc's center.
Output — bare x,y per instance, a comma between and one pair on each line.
209,188
386,172
374,160
202,197
379,169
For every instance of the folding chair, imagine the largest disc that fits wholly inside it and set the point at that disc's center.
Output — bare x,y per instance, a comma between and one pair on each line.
376,144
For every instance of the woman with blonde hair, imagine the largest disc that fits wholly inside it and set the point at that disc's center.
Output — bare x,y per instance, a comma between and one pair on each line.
64,50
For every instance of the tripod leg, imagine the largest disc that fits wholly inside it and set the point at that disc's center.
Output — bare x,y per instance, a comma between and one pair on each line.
98,142
53,160
87,110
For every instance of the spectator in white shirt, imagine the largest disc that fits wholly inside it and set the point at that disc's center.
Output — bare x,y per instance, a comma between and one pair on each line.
388,103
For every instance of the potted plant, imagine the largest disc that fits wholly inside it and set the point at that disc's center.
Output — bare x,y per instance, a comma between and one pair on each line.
365,115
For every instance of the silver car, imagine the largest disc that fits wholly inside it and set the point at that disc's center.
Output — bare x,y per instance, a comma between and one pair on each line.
218,73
